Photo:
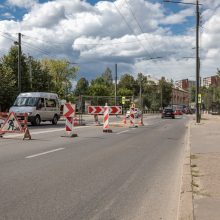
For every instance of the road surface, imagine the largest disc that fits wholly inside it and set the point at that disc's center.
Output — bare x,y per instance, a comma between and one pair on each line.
131,174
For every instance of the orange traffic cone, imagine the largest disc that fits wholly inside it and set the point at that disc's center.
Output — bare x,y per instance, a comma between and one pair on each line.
124,121
75,123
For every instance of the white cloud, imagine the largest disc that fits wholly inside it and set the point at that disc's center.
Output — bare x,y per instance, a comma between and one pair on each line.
8,15
179,17
22,3
98,33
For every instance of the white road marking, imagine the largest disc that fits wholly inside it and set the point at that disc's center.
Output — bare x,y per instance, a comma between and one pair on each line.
46,152
122,132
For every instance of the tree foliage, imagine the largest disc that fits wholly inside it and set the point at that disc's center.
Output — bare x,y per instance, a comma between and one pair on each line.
82,86
61,75
8,89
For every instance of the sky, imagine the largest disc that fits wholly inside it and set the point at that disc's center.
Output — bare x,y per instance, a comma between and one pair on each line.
147,36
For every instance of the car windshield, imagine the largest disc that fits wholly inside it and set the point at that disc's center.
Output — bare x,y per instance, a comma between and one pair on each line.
168,110
26,101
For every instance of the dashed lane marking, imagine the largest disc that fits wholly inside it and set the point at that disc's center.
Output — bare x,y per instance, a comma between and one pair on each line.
122,132
43,153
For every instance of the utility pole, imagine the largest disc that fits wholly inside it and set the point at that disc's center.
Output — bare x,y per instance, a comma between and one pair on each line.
116,79
161,98
30,71
141,102
197,55
19,62
197,64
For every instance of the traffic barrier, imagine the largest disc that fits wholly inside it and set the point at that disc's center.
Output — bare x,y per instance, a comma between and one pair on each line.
96,119
132,118
125,121
141,122
69,127
106,120
75,122
69,112
14,123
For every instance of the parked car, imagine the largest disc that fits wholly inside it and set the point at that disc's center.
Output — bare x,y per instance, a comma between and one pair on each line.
40,106
168,113
178,112
137,113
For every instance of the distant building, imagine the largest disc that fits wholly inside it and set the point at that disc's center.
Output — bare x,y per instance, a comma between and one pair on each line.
185,84
211,80
179,96
152,78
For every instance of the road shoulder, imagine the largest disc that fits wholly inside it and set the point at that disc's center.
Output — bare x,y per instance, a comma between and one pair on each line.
186,202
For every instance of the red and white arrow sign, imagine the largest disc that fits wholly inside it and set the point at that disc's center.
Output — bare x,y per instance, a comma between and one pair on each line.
113,110
96,110
69,110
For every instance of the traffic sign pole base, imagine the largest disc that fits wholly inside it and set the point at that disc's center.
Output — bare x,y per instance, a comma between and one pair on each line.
107,130
74,135
133,126
70,136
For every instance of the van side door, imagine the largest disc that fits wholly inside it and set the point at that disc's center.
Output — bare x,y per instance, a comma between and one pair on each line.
40,109
51,108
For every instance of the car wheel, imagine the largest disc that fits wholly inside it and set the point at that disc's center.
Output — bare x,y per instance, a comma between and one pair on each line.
55,120
36,121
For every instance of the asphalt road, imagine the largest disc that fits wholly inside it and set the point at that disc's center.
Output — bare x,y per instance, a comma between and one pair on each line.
130,174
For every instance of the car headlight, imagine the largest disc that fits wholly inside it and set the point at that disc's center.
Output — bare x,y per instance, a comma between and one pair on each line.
29,113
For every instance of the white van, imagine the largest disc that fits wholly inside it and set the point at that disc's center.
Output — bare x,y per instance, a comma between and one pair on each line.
40,106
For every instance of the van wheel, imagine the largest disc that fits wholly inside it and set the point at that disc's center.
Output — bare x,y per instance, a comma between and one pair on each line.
37,120
55,120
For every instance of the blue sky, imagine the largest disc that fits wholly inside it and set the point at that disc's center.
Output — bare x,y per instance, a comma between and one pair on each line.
127,32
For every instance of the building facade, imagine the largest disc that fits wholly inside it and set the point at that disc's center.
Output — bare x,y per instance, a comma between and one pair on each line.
180,96
211,80
185,84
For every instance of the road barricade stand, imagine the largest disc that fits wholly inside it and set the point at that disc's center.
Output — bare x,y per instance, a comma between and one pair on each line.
141,121
102,110
69,114
106,120
124,121
132,118
14,123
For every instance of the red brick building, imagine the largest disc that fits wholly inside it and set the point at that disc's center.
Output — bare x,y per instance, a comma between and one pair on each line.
180,96
211,80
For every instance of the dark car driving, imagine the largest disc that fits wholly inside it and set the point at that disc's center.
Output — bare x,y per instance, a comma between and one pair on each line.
168,113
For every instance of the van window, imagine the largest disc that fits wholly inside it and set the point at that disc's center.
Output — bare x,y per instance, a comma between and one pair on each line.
50,103
26,101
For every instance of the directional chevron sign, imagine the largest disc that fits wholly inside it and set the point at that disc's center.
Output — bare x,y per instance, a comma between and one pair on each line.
113,110
69,110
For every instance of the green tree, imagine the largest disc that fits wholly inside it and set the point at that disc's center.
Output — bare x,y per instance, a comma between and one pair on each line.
82,86
8,89
41,79
128,82
98,90
107,76
165,92
151,95
11,61
62,74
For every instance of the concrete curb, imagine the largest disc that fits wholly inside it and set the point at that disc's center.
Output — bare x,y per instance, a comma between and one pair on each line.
186,195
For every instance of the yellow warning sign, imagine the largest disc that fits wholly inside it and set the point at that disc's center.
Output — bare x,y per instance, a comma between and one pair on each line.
199,98
11,124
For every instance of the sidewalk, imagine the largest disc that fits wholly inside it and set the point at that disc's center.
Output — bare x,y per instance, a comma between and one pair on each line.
205,167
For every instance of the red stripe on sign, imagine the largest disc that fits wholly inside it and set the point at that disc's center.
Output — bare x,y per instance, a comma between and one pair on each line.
105,117
70,110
